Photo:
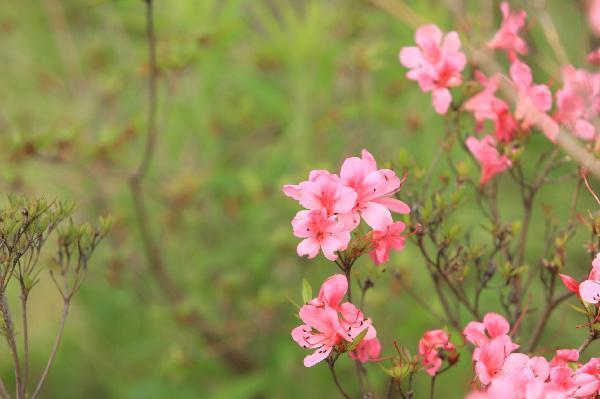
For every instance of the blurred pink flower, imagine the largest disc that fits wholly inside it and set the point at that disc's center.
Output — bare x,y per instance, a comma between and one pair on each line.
487,155
594,57
533,101
436,64
507,38
367,350
578,101
429,346
375,188
320,232
384,241
486,106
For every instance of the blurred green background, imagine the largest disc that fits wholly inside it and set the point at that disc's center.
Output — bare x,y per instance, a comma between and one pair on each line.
253,94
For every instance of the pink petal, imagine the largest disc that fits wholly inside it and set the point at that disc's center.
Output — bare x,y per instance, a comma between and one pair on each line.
330,245
308,247
441,99
521,74
569,282
589,291
333,290
496,325
376,215
320,354
410,57
393,205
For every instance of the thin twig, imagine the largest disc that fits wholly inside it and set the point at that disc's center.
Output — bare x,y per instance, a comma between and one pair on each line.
63,320
331,363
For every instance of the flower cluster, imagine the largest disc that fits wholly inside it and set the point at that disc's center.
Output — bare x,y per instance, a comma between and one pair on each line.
330,323
504,373
434,346
436,64
336,204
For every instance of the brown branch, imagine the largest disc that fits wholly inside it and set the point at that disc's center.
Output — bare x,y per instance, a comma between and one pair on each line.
235,360
10,339
331,363
539,328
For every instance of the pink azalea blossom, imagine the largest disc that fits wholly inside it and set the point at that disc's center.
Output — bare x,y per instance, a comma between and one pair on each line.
533,101
367,350
491,358
436,64
429,346
321,331
486,153
320,232
322,191
493,326
578,102
375,188
329,322
351,319
486,106
387,240
507,38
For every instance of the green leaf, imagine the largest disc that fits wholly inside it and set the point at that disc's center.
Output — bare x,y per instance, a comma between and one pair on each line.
290,300
307,294
578,309
357,340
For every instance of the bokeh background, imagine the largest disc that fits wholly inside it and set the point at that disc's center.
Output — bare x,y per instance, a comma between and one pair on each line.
253,94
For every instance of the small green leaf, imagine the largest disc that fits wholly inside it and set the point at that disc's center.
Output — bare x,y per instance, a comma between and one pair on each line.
578,309
357,340
306,291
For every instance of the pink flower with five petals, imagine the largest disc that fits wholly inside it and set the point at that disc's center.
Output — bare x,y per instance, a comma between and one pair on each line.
507,38
374,188
320,232
490,160
436,64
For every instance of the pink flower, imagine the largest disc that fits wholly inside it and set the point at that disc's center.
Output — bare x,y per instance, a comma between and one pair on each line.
321,331
322,191
328,322
507,38
429,348
386,240
491,358
320,232
594,57
578,102
480,334
367,350
436,64
351,318
533,101
487,155
486,106
375,188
